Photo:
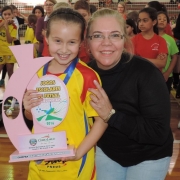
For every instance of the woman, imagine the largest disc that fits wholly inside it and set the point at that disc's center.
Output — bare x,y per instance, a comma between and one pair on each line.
138,141
122,9
41,26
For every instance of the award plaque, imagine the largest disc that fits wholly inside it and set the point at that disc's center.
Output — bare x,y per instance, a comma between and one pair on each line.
43,143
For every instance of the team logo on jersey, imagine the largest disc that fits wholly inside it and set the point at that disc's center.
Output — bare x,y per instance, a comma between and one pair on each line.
155,47
33,142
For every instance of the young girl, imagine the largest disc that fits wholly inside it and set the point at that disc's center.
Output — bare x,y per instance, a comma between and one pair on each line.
131,28
147,43
172,49
30,33
8,32
65,32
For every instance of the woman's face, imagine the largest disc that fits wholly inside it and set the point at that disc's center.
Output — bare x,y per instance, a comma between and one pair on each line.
106,41
120,9
38,13
48,7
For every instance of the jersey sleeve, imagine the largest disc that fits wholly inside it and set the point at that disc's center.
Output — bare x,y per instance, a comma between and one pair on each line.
90,112
13,32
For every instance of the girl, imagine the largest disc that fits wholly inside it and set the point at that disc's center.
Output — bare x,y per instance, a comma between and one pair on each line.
8,32
122,9
161,7
172,49
131,28
147,43
65,32
137,144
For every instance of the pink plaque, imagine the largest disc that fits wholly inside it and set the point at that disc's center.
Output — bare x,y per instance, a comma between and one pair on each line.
44,143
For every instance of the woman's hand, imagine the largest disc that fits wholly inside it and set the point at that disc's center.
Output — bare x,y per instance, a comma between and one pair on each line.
31,99
100,101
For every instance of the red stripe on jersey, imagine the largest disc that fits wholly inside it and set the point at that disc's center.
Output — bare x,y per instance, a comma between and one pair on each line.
14,26
93,173
89,75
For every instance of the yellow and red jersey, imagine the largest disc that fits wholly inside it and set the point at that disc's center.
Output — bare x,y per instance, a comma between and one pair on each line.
77,124
5,50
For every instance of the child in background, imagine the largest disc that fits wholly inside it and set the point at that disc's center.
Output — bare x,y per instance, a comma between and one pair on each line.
84,9
8,32
38,11
131,28
30,33
147,43
172,49
65,32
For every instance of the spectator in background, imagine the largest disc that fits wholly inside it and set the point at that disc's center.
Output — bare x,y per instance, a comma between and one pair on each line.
41,28
84,9
131,28
61,5
133,15
147,43
172,49
122,9
161,7
30,33
38,11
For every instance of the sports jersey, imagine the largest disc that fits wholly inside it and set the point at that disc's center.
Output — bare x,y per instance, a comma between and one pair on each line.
5,50
149,48
77,124
172,49
30,38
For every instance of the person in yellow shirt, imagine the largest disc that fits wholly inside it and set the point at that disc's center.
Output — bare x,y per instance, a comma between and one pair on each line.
30,37
8,32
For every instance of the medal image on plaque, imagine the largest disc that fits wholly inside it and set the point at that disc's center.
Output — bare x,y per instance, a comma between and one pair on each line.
42,142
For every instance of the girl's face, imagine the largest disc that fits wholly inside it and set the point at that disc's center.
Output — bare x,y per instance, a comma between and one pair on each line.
48,7
120,8
38,13
145,23
64,41
129,29
162,21
106,42
7,14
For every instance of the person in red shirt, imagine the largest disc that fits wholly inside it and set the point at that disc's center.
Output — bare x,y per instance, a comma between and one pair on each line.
147,43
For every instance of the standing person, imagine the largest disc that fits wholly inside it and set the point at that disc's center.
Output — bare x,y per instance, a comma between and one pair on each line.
65,32
138,142
172,49
161,7
30,33
84,9
38,11
122,9
41,28
147,43
8,32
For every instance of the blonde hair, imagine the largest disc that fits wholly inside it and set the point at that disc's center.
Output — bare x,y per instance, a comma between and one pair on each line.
53,1
123,5
106,12
61,5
